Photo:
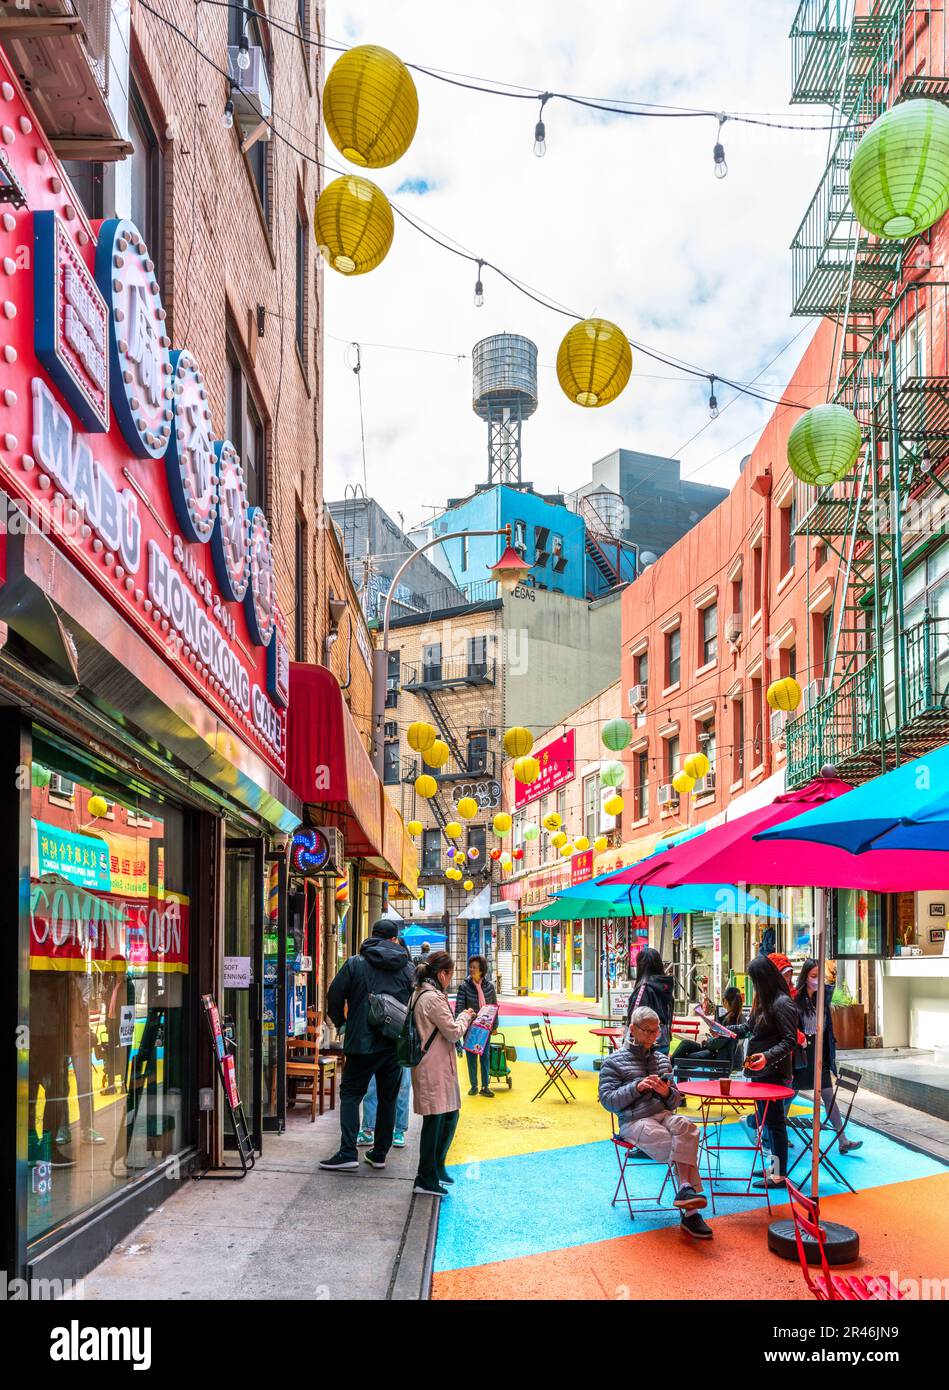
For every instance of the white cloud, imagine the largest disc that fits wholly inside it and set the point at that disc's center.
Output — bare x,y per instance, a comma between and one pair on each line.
623,217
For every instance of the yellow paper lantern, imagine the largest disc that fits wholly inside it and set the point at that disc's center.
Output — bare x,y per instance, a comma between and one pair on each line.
784,694
467,807
453,830
600,844
501,823
613,806
518,742
437,755
414,827
581,843
468,885
559,839
370,106
426,786
696,765
552,821
420,736
353,225
98,806
506,868
683,783
594,362
527,770
566,850
505,859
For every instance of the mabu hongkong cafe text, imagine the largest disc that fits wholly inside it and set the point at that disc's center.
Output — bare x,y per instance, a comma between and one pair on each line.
149,803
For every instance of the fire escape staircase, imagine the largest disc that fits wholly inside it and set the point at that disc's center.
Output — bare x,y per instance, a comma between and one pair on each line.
601,560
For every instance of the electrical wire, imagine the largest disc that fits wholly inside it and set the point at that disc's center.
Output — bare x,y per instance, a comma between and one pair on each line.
446,244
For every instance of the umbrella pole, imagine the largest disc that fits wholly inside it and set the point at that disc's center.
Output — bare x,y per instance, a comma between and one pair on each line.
819,1037
841,1243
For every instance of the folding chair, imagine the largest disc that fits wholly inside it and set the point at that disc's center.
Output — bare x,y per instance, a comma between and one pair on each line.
706,1069
848,1080
627,1152
559,1045
554,1067
828,1287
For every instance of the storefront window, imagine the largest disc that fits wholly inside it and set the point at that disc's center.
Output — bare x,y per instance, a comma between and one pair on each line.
858,923
799,908
109,991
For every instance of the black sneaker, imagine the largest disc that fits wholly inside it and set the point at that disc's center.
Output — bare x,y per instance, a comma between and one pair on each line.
473,1091
695,1227
430,1191
762,1183
687,1199
847,1145
373,1161
486,1091
444,1178
60,1160
339,1164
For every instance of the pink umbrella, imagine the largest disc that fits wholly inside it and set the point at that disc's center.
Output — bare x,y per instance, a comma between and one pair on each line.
731,854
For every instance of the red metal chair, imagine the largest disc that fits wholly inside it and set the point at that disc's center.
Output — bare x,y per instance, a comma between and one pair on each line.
561,1046
625,1150
827,1286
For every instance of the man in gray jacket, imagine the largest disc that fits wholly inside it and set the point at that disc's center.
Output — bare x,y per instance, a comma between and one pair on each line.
636,1083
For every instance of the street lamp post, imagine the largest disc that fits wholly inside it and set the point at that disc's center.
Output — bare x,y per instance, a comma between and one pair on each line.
508,570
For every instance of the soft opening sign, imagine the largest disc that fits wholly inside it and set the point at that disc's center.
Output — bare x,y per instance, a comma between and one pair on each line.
108,444
556,768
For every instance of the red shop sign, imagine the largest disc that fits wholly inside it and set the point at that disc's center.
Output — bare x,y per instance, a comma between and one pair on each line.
581,866
556,768
108,446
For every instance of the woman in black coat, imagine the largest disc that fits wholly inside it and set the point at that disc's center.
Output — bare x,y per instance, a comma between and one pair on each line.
772,1034
653,989
805,999
474,992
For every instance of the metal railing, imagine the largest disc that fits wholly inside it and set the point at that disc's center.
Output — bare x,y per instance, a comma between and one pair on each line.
838,726
450,670
926,648
818,34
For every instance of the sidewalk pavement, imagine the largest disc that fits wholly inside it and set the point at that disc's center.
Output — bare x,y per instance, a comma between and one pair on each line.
286,1231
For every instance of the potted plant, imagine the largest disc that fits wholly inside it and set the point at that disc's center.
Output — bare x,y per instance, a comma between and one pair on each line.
849,1018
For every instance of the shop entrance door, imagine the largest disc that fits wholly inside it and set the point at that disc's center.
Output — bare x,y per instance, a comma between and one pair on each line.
274,1021
244,974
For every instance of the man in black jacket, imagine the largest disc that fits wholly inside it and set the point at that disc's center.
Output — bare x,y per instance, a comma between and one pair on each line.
382,967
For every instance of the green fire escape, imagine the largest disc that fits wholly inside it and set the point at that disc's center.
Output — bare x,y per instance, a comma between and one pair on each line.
878,692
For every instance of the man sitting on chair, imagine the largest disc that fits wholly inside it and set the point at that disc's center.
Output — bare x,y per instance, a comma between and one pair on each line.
636,1083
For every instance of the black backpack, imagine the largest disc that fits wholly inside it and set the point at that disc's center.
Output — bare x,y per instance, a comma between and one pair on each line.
409,1050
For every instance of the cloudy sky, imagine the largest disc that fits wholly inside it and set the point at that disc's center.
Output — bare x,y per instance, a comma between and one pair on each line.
622,218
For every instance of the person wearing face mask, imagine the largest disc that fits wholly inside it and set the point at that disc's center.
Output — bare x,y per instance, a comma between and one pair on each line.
803,1075
474,992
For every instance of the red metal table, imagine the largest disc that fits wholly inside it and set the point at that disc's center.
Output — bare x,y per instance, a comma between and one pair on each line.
614,1036
741,1095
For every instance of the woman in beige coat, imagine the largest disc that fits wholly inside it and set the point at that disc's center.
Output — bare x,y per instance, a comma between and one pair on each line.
435,1091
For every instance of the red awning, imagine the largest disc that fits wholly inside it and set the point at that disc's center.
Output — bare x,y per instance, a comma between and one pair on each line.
327,762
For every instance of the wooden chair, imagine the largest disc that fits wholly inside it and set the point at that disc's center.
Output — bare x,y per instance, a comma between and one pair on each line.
828,1287
312,1071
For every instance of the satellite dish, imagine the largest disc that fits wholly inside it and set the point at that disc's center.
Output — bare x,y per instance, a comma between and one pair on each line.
647,558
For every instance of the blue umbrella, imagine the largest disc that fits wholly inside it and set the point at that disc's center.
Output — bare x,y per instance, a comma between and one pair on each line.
651,902
414,936
907,809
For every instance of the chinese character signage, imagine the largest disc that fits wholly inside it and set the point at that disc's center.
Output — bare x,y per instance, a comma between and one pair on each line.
557,767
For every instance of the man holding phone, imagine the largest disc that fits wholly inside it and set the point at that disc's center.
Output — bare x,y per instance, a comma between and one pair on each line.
637,1084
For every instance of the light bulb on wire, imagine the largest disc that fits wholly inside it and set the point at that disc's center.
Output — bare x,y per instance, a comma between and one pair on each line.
243,53
718,153
712,401
540,130
227,115
479,288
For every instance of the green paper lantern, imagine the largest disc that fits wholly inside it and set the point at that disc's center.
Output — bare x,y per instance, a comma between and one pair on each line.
40,775
899,178
616,735
612,774
531,832
824,444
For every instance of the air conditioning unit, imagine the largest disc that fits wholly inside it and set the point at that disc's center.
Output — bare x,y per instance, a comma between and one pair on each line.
637,695
392,683
733,627
251,90
779,719
61,786
667,795
704,785
812,693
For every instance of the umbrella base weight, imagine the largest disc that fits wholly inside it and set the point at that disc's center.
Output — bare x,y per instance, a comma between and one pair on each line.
842,1244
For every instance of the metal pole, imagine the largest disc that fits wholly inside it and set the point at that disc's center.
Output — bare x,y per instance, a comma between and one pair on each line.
819,1036
380,663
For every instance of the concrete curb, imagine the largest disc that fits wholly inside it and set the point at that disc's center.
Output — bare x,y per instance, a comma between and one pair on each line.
411,1279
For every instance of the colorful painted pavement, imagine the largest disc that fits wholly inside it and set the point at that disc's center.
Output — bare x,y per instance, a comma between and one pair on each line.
529,1213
